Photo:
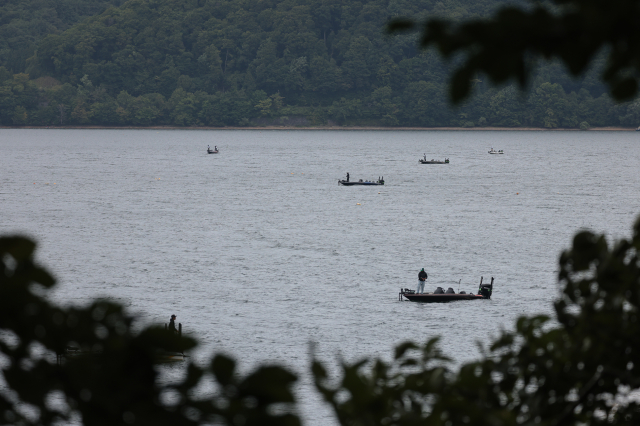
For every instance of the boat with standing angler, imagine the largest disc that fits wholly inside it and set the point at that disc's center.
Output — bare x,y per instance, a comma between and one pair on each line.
425,161
212,151
170,350
493,151
440,296
347,182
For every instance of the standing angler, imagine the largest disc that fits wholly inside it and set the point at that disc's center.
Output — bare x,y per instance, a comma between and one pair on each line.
422,277
172,324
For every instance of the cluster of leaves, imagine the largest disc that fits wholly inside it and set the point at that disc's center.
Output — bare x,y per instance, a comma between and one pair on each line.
116,380
577,370
507,45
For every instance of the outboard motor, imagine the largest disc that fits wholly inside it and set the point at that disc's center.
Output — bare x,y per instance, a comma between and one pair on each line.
450,291
485,290
439,290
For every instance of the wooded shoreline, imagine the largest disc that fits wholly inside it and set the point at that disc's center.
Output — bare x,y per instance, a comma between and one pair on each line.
344,128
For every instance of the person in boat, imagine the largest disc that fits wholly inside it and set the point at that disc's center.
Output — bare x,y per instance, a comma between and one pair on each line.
422,277
215,148
347,177
172,324
208,147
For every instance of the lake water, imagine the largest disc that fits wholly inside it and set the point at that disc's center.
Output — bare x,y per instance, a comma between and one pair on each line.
259,251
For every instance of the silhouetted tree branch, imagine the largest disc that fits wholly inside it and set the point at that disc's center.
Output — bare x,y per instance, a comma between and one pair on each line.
506,45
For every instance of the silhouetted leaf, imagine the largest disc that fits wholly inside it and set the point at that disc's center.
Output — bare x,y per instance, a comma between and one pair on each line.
223,368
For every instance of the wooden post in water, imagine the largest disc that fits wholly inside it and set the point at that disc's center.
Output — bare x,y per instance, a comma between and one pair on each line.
180,329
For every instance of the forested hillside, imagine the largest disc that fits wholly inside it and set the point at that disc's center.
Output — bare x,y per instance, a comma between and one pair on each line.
23,23
298,62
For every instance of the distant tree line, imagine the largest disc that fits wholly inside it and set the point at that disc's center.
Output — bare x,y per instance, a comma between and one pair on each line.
300,62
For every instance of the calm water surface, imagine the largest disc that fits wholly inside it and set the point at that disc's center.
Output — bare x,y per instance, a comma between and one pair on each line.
258,251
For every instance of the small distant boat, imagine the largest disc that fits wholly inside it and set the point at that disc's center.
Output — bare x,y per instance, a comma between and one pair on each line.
173,353
425,161
211,151
493,151
441,296
347,182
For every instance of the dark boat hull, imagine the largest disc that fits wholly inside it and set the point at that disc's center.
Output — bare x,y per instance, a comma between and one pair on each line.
441,298
345,183
170,357
433,162
484,292
211,152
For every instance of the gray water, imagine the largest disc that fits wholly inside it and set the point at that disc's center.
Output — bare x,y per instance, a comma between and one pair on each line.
258,251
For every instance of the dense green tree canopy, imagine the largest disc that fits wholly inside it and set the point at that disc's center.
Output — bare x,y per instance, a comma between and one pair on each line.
146,46
23,23
224,62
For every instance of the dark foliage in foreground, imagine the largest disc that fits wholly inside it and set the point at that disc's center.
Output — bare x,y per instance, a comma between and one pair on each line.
507,45
577,370
115,382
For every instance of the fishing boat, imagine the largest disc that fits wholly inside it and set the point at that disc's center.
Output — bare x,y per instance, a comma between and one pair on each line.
211,151
425,161
171,352
441,296
347,182
493,151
